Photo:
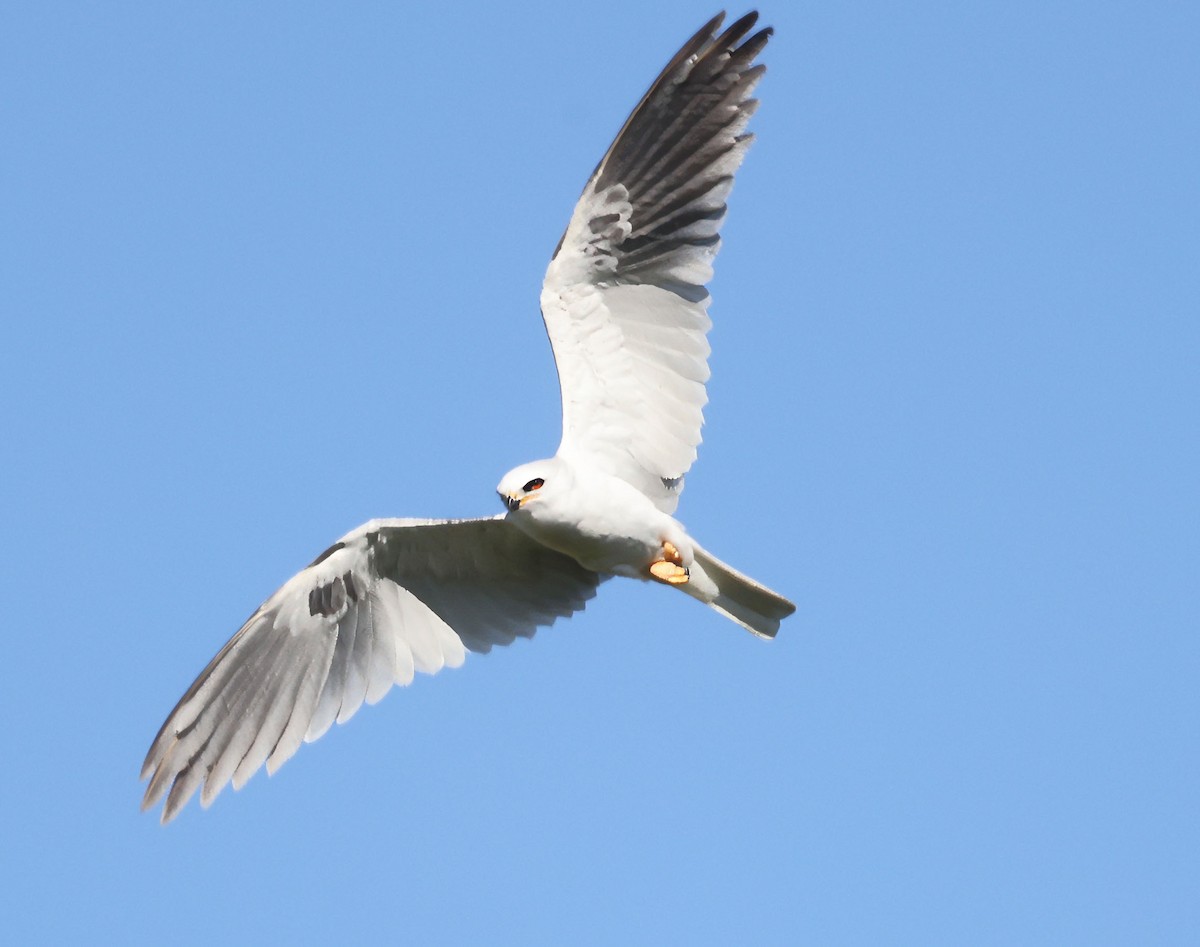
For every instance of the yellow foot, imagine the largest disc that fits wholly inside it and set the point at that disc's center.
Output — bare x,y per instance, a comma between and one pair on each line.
669,568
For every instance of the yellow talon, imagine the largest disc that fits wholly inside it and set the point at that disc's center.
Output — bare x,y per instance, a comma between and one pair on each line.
670,568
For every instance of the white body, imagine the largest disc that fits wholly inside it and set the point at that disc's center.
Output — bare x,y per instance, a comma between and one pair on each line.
610,527
598,520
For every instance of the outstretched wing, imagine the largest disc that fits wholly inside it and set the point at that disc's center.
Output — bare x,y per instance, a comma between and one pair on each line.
390,598
624,300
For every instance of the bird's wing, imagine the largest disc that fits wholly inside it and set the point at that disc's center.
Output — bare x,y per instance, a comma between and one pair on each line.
390,598
624,300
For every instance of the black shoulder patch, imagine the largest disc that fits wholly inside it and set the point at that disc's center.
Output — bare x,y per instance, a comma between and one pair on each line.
603,222
326,554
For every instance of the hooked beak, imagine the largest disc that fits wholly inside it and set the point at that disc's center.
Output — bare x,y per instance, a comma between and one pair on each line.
512,503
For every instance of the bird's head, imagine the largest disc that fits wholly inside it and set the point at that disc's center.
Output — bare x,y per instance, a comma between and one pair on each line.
529,483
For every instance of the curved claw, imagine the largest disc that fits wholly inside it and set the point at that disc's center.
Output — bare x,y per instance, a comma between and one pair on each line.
670,568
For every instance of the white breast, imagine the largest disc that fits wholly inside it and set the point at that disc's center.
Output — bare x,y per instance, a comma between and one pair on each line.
602,522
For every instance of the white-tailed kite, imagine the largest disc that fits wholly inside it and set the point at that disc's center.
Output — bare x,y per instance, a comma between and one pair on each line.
625,307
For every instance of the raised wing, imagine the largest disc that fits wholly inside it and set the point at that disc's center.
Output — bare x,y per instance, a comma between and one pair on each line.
624,300
390,598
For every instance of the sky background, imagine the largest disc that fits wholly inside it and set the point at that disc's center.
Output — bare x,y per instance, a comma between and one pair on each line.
268,271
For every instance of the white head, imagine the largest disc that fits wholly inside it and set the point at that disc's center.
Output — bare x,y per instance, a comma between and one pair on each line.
532,482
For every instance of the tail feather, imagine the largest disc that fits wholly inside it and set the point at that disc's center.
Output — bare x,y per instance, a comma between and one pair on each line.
753,606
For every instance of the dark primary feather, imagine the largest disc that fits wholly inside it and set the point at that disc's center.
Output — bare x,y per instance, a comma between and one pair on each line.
676,153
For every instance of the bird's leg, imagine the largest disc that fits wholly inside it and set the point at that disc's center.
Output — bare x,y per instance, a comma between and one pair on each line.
670,568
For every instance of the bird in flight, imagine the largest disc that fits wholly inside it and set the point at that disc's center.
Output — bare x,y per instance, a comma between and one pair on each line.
626,309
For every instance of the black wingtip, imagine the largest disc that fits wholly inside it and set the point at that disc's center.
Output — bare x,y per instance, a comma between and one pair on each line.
737,29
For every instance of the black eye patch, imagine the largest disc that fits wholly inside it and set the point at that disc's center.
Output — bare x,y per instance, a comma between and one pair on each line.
534,484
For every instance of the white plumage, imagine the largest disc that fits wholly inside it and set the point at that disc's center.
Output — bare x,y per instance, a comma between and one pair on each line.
626,311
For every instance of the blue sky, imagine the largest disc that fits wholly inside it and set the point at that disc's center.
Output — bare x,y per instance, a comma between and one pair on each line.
269,272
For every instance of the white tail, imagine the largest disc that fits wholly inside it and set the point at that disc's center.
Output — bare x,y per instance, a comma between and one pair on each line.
753,606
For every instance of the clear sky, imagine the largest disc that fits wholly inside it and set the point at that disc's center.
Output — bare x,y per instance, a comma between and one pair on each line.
270,270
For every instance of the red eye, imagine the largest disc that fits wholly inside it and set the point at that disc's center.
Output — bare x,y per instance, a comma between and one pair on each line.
534,484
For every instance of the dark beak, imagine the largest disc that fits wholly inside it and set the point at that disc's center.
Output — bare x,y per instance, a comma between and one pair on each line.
512,503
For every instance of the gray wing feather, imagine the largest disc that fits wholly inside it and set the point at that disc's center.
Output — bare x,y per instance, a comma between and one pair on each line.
390,598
